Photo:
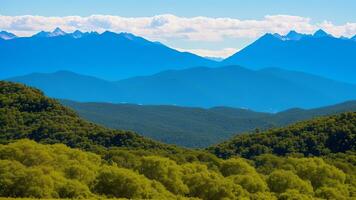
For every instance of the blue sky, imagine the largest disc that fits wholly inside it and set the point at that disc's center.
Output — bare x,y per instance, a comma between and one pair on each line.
335,16
338,11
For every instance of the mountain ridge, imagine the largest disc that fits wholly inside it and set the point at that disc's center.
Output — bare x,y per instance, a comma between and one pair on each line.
113,56
107,55
232,86
306,53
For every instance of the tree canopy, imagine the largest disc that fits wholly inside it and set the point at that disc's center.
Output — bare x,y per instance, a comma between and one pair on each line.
318,137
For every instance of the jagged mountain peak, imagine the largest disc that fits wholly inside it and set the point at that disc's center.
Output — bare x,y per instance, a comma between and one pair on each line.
7,35
127,35
58,31
291,35
77,34
321,33
294,35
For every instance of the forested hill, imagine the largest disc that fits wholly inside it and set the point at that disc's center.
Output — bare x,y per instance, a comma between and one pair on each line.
26,113
318,137
204,127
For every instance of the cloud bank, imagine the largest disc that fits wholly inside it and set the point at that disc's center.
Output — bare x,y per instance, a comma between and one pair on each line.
170,27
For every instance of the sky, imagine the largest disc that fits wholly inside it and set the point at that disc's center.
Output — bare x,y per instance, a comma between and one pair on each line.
205,27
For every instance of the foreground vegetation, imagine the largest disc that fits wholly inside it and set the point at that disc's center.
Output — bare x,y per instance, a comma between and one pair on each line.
29,169
47,151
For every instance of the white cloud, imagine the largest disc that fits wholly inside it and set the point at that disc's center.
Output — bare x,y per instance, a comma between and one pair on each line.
348,29
221,53
167,27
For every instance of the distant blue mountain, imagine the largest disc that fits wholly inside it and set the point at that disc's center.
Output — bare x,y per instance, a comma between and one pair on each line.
320,54
69,85
262,90
55,33
108,55
6,35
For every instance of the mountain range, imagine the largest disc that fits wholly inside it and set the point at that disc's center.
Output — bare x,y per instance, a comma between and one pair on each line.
320,54
203,127
285,71
115,56
107,55
268,90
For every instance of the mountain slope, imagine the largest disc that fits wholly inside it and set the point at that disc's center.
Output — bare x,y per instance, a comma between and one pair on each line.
108,55
231,86
203,127
169,124
26,113
319,54
316,137
234,86
69,85
305,80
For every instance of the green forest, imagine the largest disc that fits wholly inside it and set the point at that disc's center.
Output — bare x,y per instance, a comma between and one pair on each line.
203,126
48,151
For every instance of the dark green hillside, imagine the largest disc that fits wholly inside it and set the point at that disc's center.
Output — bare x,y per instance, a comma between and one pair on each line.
26,113
318,137
171,124
203,127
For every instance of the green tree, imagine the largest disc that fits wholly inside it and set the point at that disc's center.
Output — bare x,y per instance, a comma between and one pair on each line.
18,181
280,181
165,171
124,183
235,166
210,185
292,194
317,171
253,183
331,193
